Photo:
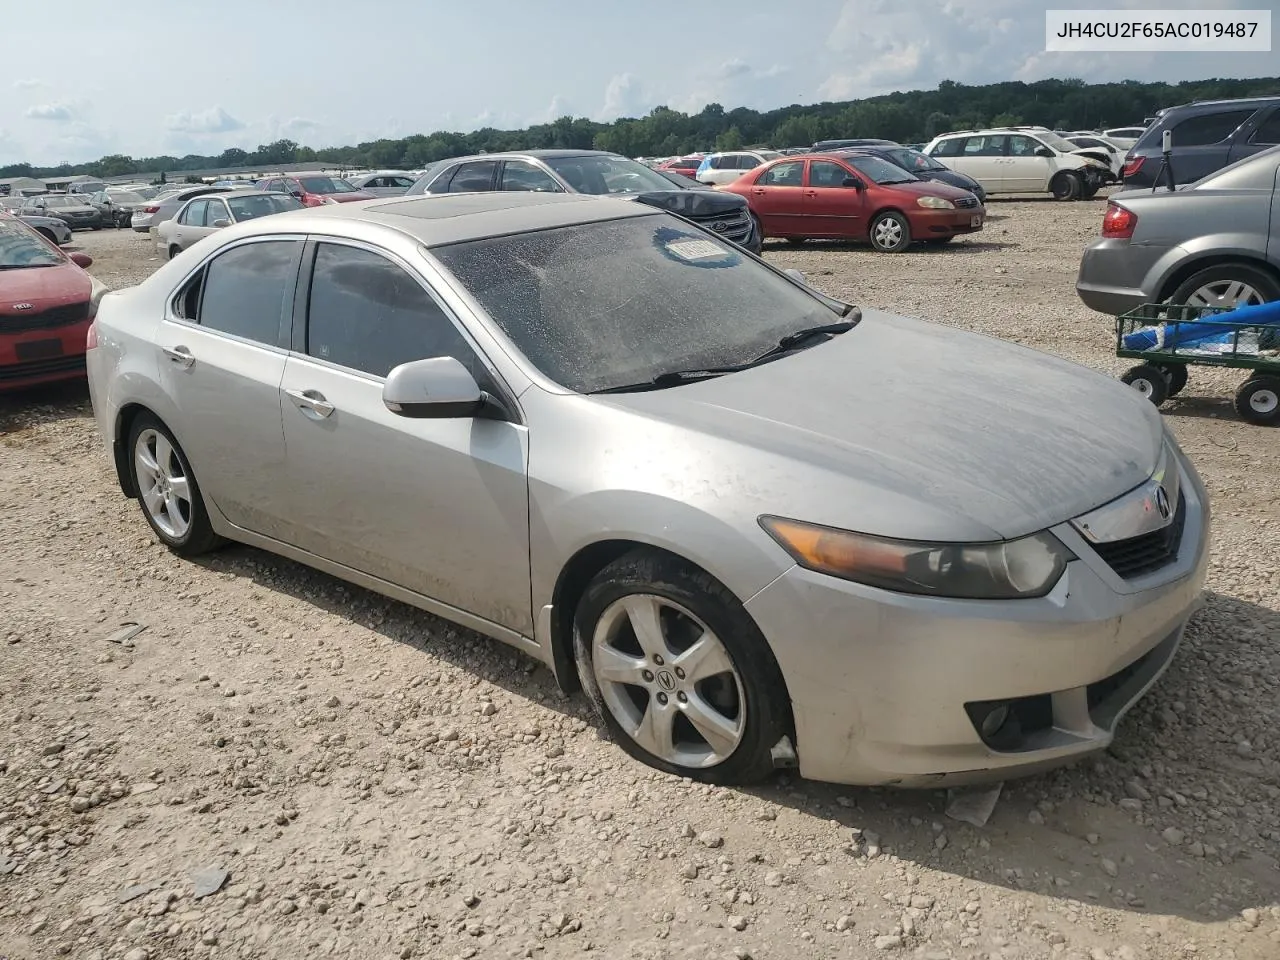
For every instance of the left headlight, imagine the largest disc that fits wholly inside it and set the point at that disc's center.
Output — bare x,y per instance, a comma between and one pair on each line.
1003,570
935,203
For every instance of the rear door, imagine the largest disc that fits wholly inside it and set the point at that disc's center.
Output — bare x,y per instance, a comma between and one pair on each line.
777,199
1203,143
222,349
831,208
1260,133
188,225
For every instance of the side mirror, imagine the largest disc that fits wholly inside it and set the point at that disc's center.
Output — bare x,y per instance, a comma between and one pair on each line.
82,260
435,388
222,222
1043,152
852,182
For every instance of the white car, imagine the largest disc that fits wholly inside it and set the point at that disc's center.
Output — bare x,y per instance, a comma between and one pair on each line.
203,215
1124,137
1101,147
1021,160
729,166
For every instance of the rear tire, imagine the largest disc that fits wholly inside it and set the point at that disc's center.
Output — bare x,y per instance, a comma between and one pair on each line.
167,490
1229,285
734,690
1066,185
174,250
1149,380
1258,401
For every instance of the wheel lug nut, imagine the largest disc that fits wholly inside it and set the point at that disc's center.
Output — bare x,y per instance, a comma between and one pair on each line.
679,673
682,697
657,659
648,677
662,699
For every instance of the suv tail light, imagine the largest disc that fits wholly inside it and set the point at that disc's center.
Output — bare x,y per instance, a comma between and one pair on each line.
1118,222
1132,165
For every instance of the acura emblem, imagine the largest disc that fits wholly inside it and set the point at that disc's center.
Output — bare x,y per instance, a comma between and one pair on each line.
1162,503
719,227
24,306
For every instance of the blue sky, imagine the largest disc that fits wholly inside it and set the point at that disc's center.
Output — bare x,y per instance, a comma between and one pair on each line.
146,77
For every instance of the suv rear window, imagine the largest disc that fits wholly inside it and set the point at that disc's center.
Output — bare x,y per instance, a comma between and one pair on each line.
1209,128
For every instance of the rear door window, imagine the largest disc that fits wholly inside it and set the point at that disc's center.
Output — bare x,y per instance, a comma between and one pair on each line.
248,291
1209,128
474,176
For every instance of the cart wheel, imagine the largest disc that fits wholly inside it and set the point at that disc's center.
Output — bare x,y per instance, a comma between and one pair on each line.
1258,401
1176,374
1148,380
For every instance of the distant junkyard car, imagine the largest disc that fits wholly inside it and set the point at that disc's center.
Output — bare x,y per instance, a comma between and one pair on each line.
164,206
1213,243
383,183
760,527
75,209
204,215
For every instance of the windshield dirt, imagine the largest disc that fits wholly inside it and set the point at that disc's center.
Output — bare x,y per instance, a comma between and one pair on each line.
607,304
600,175
20,248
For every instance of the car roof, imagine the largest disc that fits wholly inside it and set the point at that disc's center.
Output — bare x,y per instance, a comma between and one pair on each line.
446,218
244,192
535,154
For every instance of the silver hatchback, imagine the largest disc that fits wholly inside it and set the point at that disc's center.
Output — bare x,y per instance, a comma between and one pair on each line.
711,496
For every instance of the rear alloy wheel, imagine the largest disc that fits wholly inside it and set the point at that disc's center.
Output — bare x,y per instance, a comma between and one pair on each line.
1258,401
1066,185
1149,380
678,670
1228,285
167,489
890,232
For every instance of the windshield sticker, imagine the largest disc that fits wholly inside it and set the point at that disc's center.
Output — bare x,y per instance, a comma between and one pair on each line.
694,250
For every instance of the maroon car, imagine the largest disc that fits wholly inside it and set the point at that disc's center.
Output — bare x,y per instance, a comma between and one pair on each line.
685,166
46,308
855,197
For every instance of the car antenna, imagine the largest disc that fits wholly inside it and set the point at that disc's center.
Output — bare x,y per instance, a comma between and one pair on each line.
1166,164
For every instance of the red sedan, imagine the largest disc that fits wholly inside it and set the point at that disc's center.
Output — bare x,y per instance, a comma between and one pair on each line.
46,307
685,166
855,197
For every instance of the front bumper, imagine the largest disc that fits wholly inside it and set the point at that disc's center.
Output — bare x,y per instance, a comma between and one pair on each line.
36,357
931,224
879,681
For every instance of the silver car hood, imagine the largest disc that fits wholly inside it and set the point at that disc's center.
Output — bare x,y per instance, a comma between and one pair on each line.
925,428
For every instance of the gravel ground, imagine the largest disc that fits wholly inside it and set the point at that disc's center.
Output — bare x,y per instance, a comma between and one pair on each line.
283,766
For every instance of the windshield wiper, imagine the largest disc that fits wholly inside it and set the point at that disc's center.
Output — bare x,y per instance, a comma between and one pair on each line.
784,346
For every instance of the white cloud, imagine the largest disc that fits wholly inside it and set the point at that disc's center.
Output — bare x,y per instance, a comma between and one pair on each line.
50,111
30,84
625,97
734,68
202,122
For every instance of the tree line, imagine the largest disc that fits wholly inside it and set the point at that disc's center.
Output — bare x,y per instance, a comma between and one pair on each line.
907,117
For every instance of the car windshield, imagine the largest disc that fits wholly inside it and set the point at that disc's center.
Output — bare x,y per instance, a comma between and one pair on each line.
913,160
250,208
325,185
52,203
20,248
125,196
881,171
1053,140
597,175
603,305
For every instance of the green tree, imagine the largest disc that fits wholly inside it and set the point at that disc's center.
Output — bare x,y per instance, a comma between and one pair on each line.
731,139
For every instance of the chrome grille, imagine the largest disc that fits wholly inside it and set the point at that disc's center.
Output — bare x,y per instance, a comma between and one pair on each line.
54,317
964,203
733,225
1148,552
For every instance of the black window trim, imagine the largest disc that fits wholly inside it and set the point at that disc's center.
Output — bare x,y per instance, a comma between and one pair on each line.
1257,122
197,275
302,305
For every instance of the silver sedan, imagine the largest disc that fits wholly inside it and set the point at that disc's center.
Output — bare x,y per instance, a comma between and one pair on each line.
203,215
717,500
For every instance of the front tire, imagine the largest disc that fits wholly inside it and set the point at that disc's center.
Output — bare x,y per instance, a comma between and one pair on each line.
678,671
1258,401
167,490
1066,186
1149,380
890,232
174,250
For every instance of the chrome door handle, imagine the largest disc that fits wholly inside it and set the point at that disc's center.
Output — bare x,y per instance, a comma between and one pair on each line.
311,400
179,355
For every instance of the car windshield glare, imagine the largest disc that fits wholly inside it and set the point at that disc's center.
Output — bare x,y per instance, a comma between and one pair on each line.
326,185
21,248
601,175
603,305
913,160
881,171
